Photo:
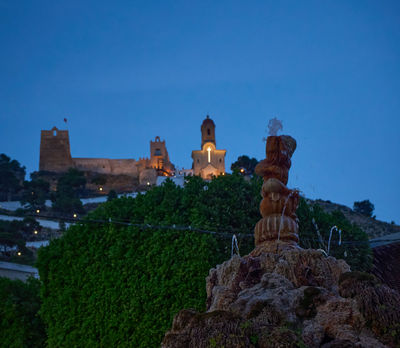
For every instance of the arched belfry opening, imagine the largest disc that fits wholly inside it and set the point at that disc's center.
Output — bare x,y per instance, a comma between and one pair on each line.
54,130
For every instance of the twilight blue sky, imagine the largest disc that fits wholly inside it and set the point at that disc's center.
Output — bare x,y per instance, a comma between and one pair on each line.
123,72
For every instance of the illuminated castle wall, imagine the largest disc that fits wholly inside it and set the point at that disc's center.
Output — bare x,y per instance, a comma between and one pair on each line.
55,156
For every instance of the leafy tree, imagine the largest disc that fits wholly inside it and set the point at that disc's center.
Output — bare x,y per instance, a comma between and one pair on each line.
8,238
364,207
35,193
15,233
20,323
11,176
28,226
111,195
246,163
62,227
314,230
69,188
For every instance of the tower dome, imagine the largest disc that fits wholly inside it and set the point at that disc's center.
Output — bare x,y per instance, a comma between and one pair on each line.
207,131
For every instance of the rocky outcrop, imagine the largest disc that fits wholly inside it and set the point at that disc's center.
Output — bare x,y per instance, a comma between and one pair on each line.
295,298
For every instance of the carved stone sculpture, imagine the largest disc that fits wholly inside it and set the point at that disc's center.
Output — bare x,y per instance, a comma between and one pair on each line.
278,228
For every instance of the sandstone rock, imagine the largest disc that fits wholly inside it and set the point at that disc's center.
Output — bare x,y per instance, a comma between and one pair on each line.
285,300
204,330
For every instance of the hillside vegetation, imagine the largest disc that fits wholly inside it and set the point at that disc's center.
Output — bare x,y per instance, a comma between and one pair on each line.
111,284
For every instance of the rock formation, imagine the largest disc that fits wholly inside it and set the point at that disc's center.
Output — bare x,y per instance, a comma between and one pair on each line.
283,296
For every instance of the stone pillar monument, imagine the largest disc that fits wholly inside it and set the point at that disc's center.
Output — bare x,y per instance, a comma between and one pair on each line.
278,228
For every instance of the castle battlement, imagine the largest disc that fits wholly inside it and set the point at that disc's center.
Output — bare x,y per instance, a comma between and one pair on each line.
55,156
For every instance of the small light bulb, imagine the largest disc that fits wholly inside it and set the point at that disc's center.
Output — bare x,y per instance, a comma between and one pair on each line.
37,211
19,253
75,215
35,232
101,189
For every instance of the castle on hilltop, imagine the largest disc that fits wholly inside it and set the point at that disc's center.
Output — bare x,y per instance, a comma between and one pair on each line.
126,174
121,174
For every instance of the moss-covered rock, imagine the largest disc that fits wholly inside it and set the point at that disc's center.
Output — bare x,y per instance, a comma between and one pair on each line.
379,304
307,306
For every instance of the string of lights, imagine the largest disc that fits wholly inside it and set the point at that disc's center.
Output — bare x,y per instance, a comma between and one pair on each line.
227,234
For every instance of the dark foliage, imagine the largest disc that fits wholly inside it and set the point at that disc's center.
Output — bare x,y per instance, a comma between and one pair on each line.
111,195
20,323
12,175
14,234
364,207
244,164
35,193
314,230
70,187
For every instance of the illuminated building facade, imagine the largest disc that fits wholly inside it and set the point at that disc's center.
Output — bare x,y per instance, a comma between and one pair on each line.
208,161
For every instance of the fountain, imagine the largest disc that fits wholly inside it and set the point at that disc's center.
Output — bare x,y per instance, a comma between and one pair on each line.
283,295
278,228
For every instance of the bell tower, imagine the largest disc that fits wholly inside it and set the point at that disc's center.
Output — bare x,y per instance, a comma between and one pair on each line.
207,131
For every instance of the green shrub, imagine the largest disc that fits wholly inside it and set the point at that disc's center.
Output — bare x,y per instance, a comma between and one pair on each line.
20,324
109,286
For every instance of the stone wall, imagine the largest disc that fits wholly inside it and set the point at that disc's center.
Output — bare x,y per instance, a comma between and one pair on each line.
107,166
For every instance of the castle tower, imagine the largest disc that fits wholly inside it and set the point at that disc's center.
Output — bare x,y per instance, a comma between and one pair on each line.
208,131
208,161
55,153
159,158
